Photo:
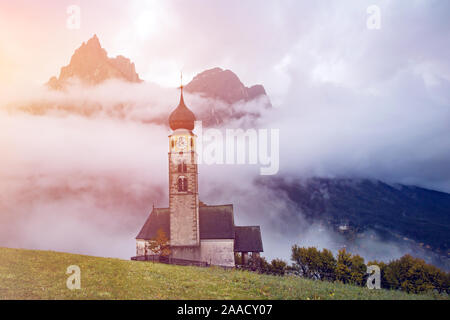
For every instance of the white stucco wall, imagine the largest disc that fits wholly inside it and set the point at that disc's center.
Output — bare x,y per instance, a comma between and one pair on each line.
140,247
186,253
218,252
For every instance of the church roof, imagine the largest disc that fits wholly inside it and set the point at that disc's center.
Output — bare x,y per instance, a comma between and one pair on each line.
182,117
216,222
248,239
158,219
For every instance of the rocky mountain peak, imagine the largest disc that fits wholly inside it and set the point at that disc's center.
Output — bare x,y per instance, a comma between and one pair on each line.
225,85
94,42
91,65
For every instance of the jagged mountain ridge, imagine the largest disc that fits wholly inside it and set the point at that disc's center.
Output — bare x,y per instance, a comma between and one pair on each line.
91,65
225,85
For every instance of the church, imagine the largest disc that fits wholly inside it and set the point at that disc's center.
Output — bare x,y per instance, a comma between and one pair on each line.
196,232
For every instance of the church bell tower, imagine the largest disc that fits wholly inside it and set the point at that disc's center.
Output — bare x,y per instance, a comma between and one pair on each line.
183,179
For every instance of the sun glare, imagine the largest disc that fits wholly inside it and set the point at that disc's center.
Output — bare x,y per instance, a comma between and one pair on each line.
149,18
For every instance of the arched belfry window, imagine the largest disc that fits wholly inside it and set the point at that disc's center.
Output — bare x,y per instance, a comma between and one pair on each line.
182,184
192,142
182,167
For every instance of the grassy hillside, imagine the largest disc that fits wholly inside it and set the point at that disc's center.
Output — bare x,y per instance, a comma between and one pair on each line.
27,274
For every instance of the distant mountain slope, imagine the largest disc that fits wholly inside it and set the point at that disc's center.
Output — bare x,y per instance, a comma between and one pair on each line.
224,85
91,65
412,215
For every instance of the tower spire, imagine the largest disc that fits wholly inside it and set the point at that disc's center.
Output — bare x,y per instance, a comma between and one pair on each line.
181,87
181,82
182,117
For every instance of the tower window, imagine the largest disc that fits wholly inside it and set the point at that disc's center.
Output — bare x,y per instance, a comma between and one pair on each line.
182,184
182,167
192,143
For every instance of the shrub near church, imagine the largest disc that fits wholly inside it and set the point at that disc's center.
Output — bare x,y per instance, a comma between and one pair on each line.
409,274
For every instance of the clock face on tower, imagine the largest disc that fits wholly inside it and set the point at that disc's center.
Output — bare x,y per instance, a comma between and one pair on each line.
181,143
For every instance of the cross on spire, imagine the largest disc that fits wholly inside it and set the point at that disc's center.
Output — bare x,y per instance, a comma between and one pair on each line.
181,81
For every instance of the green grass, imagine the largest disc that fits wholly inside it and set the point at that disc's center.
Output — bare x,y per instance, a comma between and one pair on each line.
28,274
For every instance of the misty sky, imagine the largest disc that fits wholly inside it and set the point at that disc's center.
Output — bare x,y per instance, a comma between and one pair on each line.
386,90
348,101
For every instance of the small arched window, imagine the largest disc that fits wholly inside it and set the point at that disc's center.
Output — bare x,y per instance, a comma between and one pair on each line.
182,184
182,167
192,142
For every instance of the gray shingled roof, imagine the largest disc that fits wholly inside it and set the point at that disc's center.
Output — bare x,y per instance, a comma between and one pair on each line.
159,218
216,222
247,239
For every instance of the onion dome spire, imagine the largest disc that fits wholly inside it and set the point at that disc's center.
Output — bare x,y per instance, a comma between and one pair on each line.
182,117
